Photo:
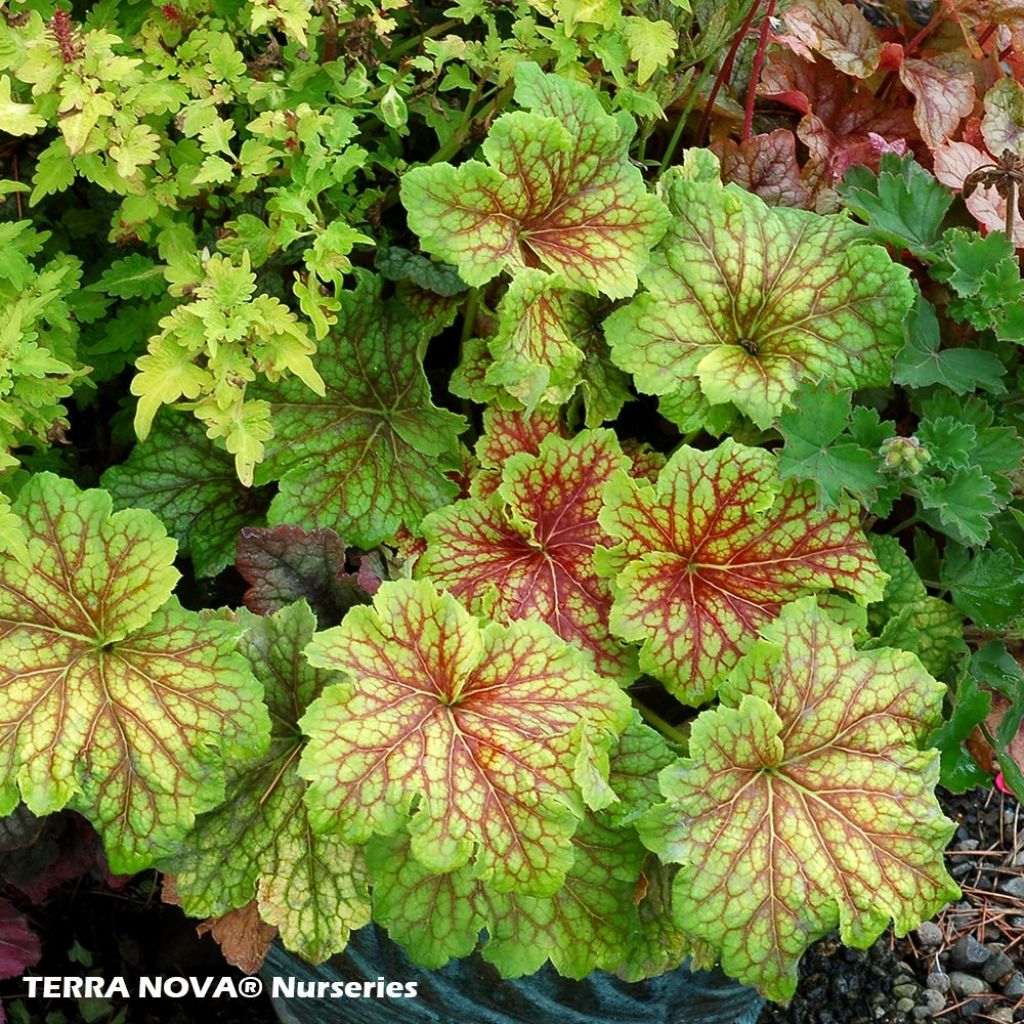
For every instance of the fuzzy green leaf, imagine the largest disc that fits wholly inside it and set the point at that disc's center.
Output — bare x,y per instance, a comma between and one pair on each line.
487,727
370,454
191,485
806,803
557,187
117,702
711,551
259,843
744,301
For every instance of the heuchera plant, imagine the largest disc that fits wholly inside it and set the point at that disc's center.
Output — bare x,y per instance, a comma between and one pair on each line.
543,477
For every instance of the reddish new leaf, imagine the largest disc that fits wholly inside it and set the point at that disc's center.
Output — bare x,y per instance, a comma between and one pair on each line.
709,554
285,563
477,736
526,552
19,945
509,432
944,88
839,32
765,165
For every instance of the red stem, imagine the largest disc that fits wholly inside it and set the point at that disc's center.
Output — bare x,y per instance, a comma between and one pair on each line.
755,71
726,72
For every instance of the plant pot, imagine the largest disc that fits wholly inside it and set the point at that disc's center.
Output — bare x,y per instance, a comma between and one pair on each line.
471,991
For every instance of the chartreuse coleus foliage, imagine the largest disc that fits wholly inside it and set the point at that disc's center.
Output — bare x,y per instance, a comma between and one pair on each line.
210,349
709,552
259,843
557,189
117,702
805,802
370,454
743,301
525,550
485,740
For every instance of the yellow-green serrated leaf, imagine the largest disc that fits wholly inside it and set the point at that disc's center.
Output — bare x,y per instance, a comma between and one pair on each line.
589,924
744,300
116,701
526,551
259,842
471,734
806,803
557,187
710,552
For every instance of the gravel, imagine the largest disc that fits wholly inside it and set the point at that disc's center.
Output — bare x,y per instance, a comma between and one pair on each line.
966,967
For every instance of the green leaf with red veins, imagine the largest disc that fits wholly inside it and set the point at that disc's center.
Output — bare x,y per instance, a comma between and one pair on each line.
259,843
806,803
744,301
526,551
1002,127
587,925
557,190
709,553
508,432
470,733
370,454
116,702
640,755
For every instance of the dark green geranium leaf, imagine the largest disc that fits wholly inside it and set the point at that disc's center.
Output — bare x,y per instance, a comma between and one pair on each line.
958,771
371,454
921,362
190,483
903,202
988,587
963,503
817,448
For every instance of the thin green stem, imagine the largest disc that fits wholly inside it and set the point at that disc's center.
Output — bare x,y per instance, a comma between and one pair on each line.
667,730
677,132
411,44
906,524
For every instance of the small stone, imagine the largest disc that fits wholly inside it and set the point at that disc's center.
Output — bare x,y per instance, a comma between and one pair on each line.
921,1013
966,984
902,991
999,966
935,1001
1014,988
1014,887
968,844
968,954
929,934
1017,921
971,1007
1003,1014
937,982
1018,860
904,1005
960,870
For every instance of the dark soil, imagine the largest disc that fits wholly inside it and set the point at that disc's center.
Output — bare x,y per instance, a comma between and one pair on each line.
969,968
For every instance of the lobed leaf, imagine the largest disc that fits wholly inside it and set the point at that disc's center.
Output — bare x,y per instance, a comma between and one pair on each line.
117,701
369,455
525,552
711,551
805,803
474,735
557,187
744,301
258,843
